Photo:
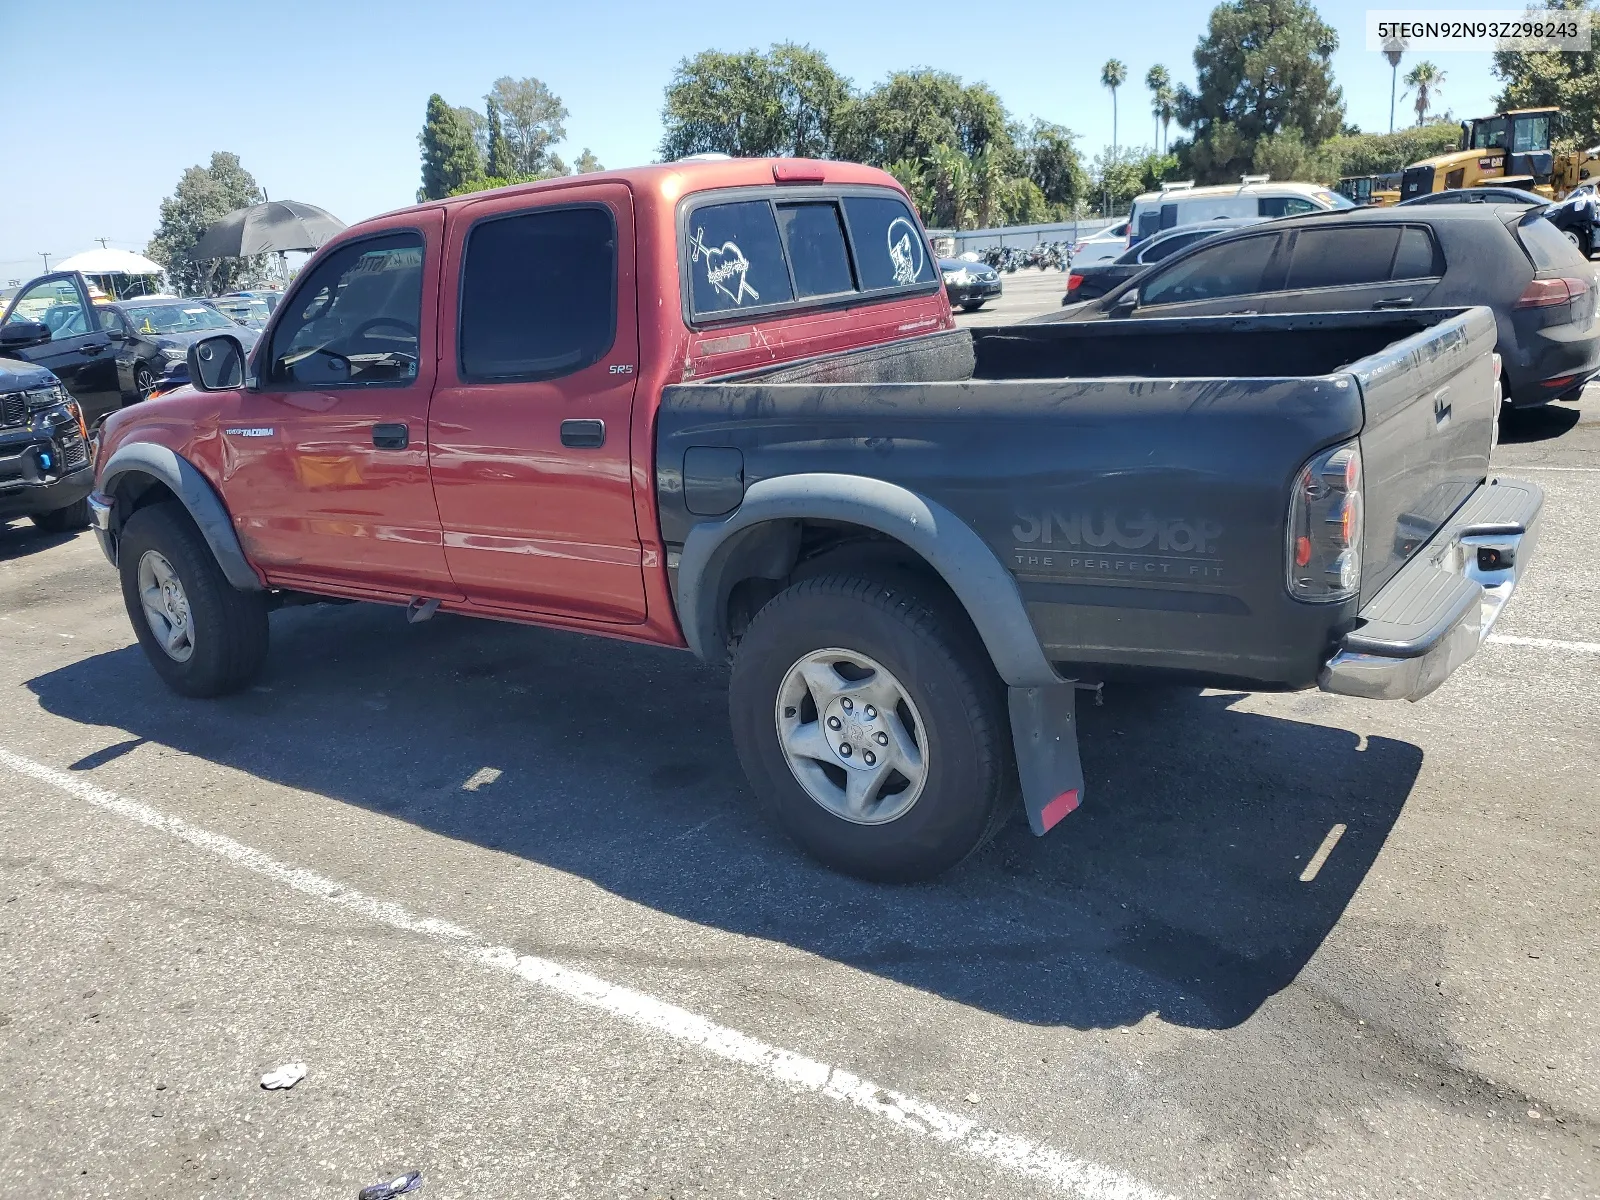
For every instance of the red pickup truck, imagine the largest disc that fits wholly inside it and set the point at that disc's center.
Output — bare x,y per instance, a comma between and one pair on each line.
722,405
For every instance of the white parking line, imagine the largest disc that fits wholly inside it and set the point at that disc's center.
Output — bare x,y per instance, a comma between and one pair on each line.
1506,639
1321,856
1536,467
1068,1174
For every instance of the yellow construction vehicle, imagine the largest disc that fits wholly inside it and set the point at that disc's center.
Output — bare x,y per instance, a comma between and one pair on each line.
1377,191
1510,148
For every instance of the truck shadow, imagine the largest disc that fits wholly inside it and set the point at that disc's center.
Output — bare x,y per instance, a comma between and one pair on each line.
1174,889
18,537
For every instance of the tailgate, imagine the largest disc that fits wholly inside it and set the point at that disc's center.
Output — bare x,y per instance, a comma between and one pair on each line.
1431,403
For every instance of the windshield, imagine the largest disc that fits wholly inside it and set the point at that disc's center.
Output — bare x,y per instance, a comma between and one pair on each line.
1530,134
175,318
1486,135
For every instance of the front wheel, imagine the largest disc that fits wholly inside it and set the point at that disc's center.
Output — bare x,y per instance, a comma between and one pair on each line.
144,382
203,636
973,305
871,726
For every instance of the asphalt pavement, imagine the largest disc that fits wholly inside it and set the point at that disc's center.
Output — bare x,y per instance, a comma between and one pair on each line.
503,892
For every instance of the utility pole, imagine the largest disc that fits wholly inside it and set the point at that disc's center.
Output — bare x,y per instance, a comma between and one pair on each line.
45,254
102,242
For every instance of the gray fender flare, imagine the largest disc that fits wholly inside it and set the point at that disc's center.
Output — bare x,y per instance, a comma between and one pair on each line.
195,493
979,580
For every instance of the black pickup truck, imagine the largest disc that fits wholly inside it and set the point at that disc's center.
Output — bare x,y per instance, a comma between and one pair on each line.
1261,502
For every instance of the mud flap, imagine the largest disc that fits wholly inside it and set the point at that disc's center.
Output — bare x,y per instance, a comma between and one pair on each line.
1044,730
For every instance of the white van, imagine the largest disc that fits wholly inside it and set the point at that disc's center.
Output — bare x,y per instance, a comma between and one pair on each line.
1254,196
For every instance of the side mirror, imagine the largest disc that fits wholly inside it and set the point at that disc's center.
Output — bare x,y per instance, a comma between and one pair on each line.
19,335
1126,303
216,363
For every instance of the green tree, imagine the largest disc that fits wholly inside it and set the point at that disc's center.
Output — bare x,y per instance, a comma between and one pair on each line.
785,102
1569,81
1262,66
1118,178
497,151
949,176
1113,75
450,156
204,196
533,119
1051,160
1381,153
1428,80
911,113
587,164
1159,82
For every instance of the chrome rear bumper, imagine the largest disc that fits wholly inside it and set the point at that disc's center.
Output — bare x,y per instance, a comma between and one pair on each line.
1438,609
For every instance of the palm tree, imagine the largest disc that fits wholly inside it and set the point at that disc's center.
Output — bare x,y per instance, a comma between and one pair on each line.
1160,85
1428,81
1113,75
1393,48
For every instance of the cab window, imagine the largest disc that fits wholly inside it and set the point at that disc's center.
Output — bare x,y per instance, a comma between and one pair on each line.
1530,134
538,294
356,320
1487,135
813,237
736,258
890,250
1235,268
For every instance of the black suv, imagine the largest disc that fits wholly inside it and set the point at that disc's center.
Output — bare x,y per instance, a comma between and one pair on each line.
1544,294
45,467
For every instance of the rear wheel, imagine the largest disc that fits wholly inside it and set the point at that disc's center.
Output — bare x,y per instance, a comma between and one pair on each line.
73,517
203,636
872,727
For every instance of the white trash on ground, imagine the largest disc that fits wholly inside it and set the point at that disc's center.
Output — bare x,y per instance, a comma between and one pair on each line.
285,1076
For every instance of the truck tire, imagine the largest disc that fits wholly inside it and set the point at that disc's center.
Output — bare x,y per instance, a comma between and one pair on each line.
70,519
203,636
873,729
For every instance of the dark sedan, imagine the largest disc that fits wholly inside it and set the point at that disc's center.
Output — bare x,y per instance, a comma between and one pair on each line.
1544,294
1096,279
970,285
151,334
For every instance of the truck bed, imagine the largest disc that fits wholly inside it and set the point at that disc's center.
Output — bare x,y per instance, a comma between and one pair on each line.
1134,476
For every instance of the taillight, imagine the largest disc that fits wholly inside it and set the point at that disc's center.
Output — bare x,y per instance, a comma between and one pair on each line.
1074,282
1325,524
1546,293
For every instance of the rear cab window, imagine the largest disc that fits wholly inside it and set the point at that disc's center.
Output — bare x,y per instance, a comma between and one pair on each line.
794,248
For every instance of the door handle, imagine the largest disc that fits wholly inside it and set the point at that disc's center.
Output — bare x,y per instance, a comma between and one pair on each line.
94,347
584,434
391,437
1396,302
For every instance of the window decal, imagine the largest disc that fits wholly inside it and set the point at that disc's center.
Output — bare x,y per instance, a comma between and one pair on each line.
905,251
726,267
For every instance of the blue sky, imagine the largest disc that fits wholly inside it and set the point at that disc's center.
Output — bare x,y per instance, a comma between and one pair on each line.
107,104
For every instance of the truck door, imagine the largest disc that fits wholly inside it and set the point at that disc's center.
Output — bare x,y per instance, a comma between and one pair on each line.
326,459
528,437
79,351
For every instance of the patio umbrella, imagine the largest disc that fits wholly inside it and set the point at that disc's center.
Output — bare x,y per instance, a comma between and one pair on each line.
276,226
